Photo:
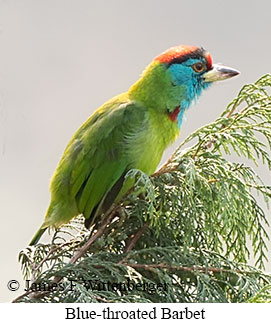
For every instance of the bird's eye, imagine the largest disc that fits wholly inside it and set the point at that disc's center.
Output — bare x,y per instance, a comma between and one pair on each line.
199,67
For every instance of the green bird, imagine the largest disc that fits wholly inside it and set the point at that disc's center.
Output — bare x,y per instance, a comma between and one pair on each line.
130,131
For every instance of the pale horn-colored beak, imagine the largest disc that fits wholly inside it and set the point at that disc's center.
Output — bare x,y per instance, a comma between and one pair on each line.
219,73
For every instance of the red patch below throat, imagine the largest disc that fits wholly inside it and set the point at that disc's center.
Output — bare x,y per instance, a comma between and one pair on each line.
174,114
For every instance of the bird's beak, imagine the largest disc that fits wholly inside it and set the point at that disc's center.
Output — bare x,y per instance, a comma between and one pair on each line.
219,73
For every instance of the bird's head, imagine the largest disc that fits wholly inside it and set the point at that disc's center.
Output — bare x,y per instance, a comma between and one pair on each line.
177,77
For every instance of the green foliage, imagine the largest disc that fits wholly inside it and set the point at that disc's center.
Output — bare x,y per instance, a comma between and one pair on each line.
182,233
263,296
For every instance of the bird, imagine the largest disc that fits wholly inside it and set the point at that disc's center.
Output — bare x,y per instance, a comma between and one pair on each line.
130,131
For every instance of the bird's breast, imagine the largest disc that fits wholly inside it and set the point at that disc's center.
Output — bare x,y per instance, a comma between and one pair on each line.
160,131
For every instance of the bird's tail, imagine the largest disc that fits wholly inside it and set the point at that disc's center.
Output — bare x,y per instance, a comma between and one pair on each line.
37,236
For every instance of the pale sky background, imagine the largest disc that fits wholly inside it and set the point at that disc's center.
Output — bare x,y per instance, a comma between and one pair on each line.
62,59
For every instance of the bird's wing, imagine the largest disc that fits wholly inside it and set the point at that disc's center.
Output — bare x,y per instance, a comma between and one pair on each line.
99,153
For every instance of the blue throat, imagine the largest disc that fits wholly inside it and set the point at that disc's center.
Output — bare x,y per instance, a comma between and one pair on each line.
184,76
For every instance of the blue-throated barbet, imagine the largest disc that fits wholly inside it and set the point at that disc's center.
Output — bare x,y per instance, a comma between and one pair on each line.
131,130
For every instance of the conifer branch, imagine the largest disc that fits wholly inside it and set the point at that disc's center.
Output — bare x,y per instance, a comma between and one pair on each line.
192,269
108,217
134,237
193,207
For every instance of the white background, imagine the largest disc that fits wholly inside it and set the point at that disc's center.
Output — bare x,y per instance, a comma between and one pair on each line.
213,313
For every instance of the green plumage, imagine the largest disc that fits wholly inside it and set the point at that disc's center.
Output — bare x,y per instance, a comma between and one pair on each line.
123,134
